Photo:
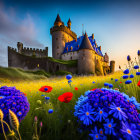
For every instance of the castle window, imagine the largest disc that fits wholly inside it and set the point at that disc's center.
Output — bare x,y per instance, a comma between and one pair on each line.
57,47
56,38
57,53
71,57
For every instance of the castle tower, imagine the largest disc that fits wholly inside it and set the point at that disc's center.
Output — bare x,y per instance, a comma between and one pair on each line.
60,35
20,47
86,58
69,24
112,66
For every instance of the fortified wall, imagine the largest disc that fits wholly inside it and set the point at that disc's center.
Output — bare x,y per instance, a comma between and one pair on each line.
32,51
15,59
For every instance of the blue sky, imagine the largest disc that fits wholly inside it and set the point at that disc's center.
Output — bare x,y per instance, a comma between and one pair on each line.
115,24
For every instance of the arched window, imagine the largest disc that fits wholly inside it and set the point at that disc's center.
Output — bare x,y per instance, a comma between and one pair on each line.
57,68
71,57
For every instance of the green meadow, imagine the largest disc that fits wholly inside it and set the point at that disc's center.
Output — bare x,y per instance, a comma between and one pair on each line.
61,124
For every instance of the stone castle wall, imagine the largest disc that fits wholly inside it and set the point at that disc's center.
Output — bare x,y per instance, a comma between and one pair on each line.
35,52
16,59
70,56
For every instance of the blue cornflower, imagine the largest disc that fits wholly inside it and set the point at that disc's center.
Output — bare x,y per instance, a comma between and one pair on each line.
69,81
134,101
19,113
110,86
125,76
138,52
109,127
116,80
93,82
130,132
47,98
100,114
126,71
85,114
68,77
128,58
50,111
106,84
137,73
2,97
136,67
95,134
87,93
117,112
131,76
128,82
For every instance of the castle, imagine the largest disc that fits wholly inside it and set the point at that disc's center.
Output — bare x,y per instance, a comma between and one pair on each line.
66,46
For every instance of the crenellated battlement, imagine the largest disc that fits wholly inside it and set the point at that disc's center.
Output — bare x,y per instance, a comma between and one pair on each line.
13,49
64,29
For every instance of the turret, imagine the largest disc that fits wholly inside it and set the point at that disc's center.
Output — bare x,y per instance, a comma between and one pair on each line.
69,24
58,21
112,66
60,35
86,58
20,47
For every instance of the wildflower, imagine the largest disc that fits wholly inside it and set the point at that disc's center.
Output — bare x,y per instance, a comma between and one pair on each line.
106,84
50,111
120,82
47,98
131,76
65,97
125,76
95,134
130,131
68,77
138,52
110,86
136,67
76,88
69,81
85,114
128,58
35,119
41,124
109,127
117,112
100,114
45,89
14,100
138,84
137,73
116,89
128,82
116,80
93,82
39,102
126,71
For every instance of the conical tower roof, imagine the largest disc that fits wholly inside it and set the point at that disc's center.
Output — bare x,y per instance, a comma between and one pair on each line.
58,19
69,21
85,44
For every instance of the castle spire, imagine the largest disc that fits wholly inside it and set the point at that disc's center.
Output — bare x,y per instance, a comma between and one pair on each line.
86,43
58,21
69,23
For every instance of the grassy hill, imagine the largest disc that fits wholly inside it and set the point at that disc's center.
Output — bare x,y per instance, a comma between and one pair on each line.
18,74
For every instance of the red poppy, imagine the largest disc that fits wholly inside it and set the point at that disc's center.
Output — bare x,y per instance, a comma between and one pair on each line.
45,89
120,82
76,88
65,97
138,83
93,89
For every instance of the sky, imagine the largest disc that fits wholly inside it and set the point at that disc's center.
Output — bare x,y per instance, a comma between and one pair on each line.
115,24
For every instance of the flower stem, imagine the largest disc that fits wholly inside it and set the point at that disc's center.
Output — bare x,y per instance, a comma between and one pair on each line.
3,130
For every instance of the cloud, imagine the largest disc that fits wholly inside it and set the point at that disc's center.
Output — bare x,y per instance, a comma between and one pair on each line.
13,28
